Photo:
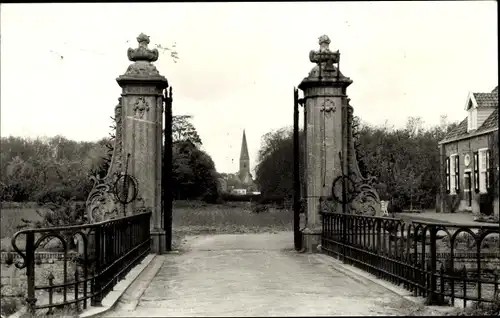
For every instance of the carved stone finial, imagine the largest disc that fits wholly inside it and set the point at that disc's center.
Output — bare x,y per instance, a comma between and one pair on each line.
142,52
143,40
324,55
324,43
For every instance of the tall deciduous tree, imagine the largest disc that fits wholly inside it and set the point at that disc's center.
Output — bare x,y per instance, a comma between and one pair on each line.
193,173
274,171
183,129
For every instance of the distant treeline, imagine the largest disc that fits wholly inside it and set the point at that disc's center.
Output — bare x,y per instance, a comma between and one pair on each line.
405,161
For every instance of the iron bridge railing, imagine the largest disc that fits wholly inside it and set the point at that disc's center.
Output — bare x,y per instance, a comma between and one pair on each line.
106,252
442,262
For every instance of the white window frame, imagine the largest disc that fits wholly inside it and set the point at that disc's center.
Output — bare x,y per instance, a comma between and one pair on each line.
483,169
452,173
472,119
448,175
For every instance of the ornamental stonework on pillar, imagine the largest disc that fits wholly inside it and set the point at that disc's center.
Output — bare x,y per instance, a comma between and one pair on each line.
138,144
330,148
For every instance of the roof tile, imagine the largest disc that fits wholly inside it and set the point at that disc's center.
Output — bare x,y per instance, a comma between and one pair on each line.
486,99
490,122
461,130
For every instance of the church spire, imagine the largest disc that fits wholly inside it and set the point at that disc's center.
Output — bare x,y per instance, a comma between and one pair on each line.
244,148
244,173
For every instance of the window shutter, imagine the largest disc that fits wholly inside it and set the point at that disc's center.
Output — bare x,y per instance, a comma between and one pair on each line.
476,171
457,176
487,169
448,175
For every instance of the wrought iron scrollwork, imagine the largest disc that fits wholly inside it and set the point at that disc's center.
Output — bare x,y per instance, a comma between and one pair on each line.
18,251
125,189
103,253
337,189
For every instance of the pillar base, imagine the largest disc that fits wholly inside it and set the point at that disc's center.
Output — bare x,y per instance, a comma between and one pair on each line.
158,241
311,240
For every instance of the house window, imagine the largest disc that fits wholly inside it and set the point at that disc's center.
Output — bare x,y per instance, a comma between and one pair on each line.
472,119
476,172
448,175
483,170
453,174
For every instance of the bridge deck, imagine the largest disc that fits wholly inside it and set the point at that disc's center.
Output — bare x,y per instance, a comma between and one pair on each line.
253,275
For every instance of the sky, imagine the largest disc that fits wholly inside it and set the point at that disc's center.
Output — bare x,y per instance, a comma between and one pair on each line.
238,63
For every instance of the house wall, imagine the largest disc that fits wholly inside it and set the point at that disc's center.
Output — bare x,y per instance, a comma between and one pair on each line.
483,114
457,202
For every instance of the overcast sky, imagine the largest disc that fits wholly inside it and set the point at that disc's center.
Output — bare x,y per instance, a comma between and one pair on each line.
239,63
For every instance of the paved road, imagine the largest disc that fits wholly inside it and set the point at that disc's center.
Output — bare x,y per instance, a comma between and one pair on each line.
254,275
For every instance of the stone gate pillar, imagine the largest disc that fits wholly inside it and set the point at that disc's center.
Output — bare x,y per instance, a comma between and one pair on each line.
324,95
142,108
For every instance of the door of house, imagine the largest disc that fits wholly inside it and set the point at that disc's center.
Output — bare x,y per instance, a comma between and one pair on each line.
468,188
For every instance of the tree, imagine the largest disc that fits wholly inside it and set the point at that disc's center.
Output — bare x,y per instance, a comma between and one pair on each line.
45,168
19,180
193,173
406,162
414,126
274,171
183,129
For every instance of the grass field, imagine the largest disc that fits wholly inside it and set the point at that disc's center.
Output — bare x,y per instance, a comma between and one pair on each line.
194,217
11,218
189,218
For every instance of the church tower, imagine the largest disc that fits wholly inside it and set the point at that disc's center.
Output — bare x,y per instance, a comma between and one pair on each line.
244,173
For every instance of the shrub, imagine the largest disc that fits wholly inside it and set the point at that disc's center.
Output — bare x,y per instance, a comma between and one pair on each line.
9,259
486,203
258,208
54,194
212,197
452,202
279,200
8,307
60,214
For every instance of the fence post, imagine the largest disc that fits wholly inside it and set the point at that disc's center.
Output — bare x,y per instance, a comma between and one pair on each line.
431,294
97,298
344,236
30,272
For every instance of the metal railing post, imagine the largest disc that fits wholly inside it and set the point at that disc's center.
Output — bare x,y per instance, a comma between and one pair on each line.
96,300
30,272
431,295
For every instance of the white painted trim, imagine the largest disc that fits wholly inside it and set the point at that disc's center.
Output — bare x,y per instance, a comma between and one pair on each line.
467,170
482,169
452,173
470,96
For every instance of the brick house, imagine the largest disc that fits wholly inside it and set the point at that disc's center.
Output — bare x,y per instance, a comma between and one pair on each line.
469,159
